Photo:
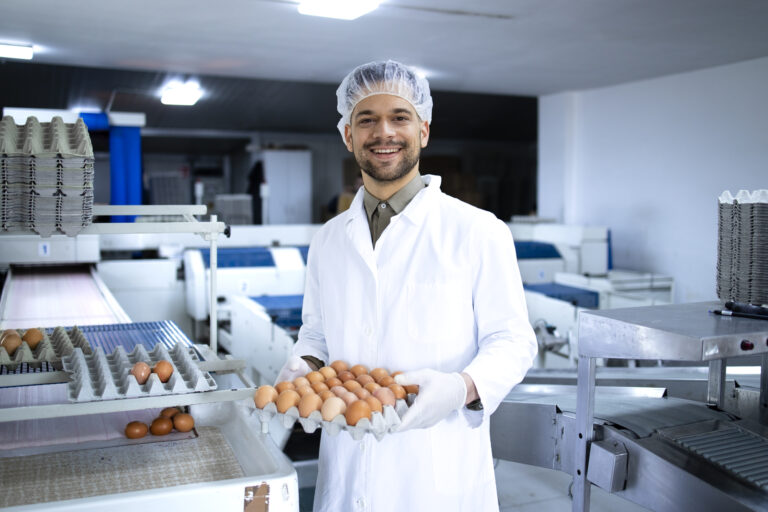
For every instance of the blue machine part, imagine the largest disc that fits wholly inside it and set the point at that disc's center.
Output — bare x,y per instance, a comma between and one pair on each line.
576,296
149,334
528,250
240,257
304,250
285,310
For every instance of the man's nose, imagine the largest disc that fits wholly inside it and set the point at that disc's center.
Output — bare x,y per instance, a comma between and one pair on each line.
385,129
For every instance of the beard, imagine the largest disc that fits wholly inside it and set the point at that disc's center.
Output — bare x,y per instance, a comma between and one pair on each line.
388,171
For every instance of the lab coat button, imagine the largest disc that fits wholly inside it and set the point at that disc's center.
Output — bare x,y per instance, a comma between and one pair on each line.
360,502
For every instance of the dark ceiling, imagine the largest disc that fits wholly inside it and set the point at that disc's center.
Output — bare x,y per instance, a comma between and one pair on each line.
241,104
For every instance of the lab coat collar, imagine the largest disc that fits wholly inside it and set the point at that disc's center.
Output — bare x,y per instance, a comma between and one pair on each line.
415,211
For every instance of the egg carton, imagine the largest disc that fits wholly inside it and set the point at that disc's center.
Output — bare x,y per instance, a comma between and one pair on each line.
108,377
51,349
380,424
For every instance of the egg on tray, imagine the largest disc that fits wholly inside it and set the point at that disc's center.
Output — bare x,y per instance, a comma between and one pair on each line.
183,422
10,341
163,369
141,371
33,337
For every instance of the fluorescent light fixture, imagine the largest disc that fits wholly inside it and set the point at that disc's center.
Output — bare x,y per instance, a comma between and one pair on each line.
340,9
176,92
16,51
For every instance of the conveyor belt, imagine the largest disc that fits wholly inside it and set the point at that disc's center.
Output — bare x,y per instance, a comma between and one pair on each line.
736,450
51,296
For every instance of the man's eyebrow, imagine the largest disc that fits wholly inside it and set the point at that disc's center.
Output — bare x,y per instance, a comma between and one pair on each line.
364,113
402,110
399,110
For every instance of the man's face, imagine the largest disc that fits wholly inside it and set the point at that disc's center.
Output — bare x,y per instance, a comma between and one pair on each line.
386,136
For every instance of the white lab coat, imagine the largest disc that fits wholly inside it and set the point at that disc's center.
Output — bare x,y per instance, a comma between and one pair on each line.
441,290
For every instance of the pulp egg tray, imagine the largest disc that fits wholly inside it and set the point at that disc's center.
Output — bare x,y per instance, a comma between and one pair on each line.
51,349
379,425
107,377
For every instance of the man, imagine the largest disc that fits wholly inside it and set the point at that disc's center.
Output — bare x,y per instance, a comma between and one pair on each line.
411,279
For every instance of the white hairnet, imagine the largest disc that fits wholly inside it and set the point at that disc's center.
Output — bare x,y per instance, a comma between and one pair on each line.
383,77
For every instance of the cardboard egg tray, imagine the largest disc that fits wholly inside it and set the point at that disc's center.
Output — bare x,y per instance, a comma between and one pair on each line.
379,425
108,377
51,349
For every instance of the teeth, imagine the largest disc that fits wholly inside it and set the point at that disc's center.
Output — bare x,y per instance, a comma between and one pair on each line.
382,151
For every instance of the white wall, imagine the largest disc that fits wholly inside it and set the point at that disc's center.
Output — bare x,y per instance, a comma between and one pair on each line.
649,159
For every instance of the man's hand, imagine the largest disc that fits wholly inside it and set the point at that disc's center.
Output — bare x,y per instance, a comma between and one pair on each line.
294,367
439,395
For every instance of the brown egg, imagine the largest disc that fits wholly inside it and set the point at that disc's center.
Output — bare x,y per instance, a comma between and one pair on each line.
339,366
371,387
135,430
287,399
169,412
327,372
395,374
11,341
386,395
412,389
332,408
374,403
161,426
357,411
385,381
346,375
339,390
183,422
319,386
282,386
352,385
349,397
300,382
32,337
365,379
7,331
378,373
398,390
361,393
333,381
163,369
313,377
358,370
141,371
309,404
305,390
325,395
264,395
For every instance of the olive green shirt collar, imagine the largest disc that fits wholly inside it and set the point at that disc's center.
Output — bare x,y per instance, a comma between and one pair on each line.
380,212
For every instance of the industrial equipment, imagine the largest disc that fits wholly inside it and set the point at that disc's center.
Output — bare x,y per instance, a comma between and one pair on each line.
630,435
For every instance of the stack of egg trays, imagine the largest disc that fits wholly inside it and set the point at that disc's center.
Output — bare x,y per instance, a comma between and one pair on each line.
107,377
742,256
46,176
379,425
51,349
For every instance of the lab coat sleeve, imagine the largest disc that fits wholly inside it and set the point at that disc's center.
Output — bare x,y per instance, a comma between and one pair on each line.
506,343
311,340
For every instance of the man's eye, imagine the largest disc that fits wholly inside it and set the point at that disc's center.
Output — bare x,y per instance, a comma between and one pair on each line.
402,119
365,121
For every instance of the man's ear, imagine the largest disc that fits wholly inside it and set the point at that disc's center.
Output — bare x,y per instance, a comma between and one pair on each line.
424,134
348,138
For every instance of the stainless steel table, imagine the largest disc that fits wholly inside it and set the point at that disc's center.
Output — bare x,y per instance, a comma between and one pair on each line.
680,332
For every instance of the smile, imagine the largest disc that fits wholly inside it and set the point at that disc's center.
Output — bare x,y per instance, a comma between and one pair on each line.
385,151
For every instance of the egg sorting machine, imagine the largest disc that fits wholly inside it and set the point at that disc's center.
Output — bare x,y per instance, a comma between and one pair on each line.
88,467
662,452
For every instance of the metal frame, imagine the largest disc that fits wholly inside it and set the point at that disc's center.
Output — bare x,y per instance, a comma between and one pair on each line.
685,332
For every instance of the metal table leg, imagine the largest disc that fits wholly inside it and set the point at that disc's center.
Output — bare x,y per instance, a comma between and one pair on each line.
585,407
764,390
716,383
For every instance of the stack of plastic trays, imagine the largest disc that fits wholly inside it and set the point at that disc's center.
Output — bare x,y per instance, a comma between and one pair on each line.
742,251
46,176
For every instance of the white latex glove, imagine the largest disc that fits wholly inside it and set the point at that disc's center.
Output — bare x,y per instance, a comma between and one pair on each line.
439,395
294,367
